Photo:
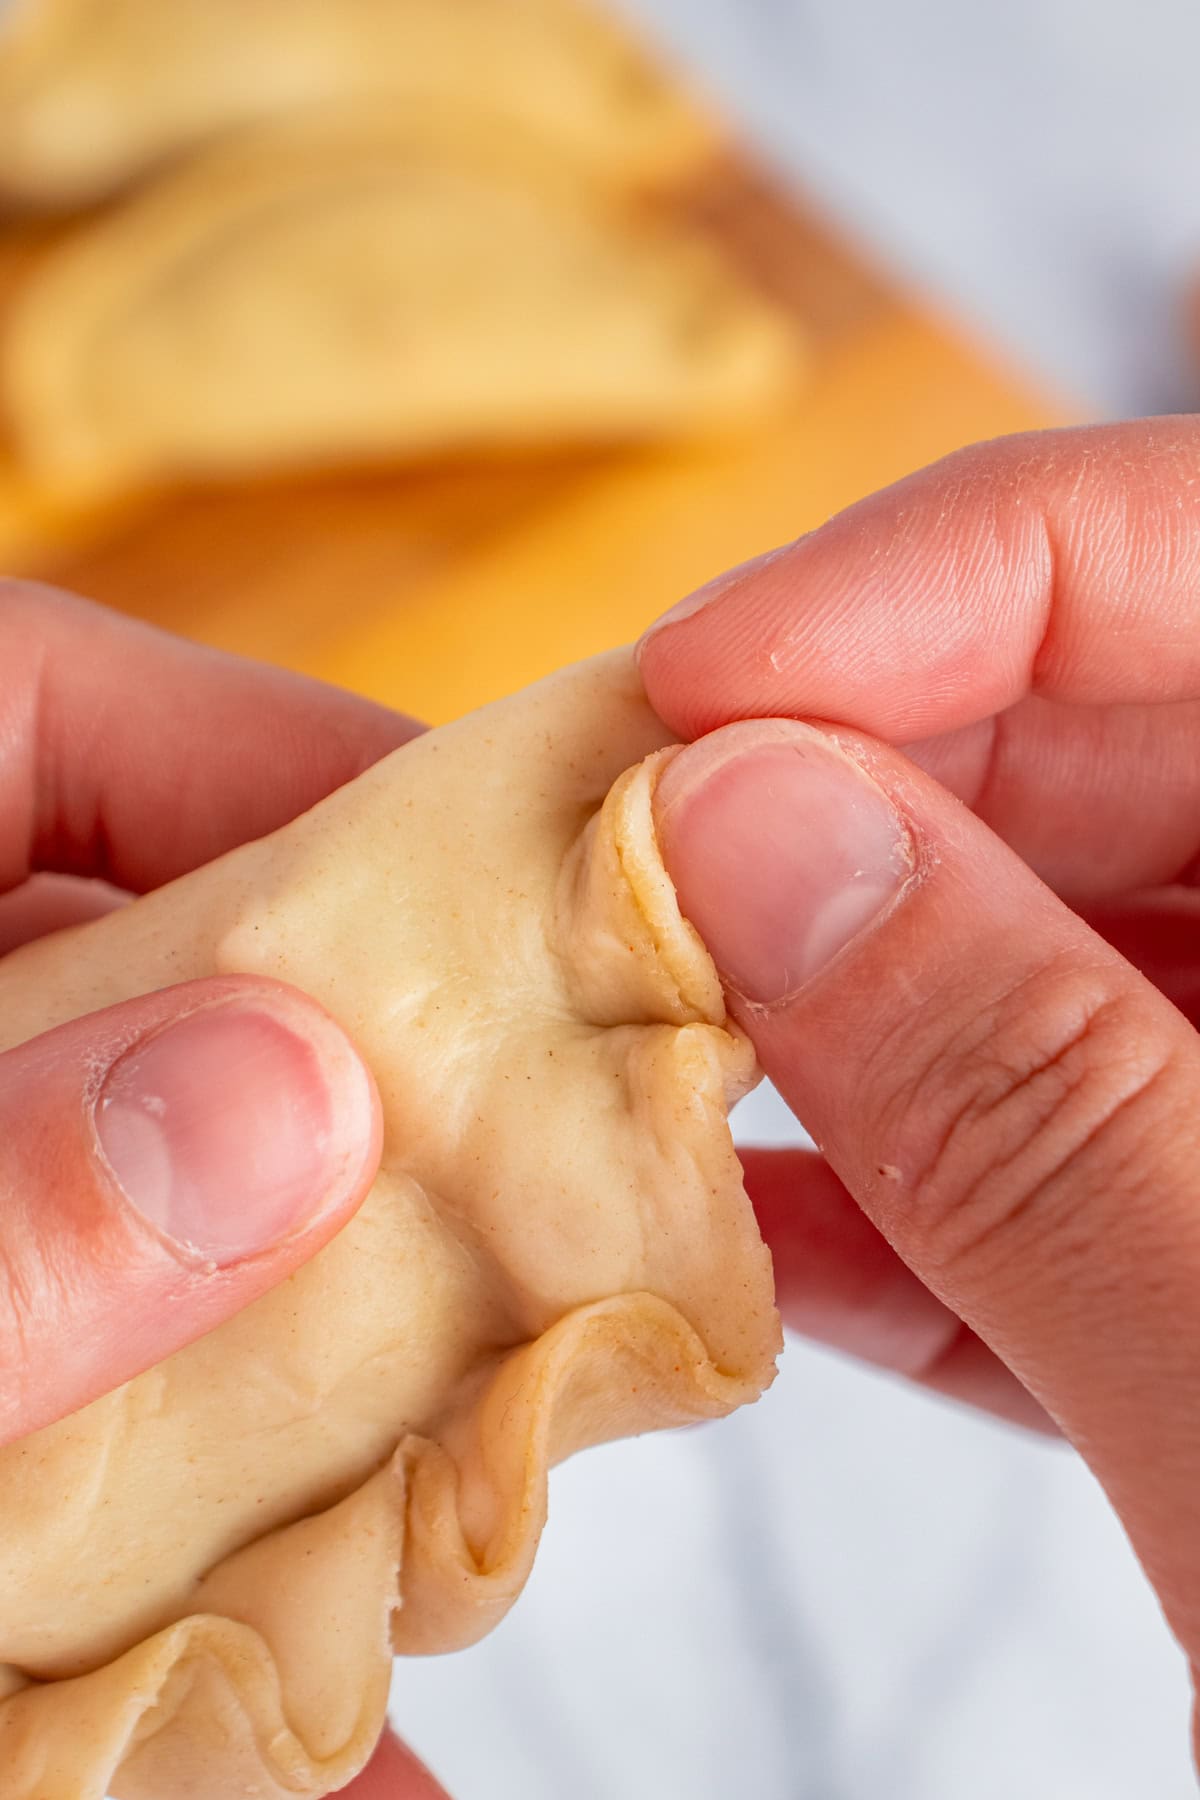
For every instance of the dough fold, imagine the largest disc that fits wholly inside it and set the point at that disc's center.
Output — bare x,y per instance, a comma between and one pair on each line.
203,1576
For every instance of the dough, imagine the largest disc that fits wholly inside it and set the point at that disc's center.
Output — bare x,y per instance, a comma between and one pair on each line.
203,1575
365,289
95,92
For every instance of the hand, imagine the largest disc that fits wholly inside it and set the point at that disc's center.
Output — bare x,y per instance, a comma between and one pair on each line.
983,1013
165,1161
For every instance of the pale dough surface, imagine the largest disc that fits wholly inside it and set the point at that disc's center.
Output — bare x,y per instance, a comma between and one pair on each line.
203,1575
94,93
361,287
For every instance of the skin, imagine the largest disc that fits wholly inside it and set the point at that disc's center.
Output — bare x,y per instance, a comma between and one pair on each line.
128,758
1000,1063
999,1060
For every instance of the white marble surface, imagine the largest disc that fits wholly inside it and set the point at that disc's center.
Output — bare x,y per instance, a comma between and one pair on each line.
1033,164
854,1592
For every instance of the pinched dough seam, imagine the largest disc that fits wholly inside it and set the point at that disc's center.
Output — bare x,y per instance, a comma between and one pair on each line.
677,943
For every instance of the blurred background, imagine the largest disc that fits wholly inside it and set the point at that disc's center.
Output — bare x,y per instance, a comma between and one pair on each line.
427,344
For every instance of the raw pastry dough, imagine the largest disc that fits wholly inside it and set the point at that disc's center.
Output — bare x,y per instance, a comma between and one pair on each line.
95,92
368,288
200,1574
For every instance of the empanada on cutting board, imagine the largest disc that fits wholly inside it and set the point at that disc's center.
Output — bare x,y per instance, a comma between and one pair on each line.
366,289
203,1575
93,93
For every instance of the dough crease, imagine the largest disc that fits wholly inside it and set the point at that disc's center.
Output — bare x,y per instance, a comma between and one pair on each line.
204,1577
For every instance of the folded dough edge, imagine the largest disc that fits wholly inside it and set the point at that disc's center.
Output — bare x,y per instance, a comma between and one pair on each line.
269,1673
286,1658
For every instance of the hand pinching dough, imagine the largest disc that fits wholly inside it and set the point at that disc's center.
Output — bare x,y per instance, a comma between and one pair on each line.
203,1576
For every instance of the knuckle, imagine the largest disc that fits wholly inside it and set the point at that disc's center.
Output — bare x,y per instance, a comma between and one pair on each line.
998,1137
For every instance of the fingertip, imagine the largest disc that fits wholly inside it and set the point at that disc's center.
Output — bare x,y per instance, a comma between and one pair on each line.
681,646
164,1162
699,599
245,1125
252,746
783,850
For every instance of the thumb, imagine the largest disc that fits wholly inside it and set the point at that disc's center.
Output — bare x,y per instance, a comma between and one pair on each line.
162,1163
1010,1102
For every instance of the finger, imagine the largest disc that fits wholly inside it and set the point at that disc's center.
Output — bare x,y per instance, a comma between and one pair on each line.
1097,800
394,1773
133,756
47,903
1160,935
162,1163
838,1281
1064,564
1012,1104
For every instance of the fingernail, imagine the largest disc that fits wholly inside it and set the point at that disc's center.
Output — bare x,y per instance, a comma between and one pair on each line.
706,595
781,849
229,1130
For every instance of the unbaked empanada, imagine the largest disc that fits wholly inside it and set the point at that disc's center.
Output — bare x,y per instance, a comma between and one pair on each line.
368,289
202,1576
95,92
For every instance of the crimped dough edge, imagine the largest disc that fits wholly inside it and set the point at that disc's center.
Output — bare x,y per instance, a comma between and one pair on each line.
214,1704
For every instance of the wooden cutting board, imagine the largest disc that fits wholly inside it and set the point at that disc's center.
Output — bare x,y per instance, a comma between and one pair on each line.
438,589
